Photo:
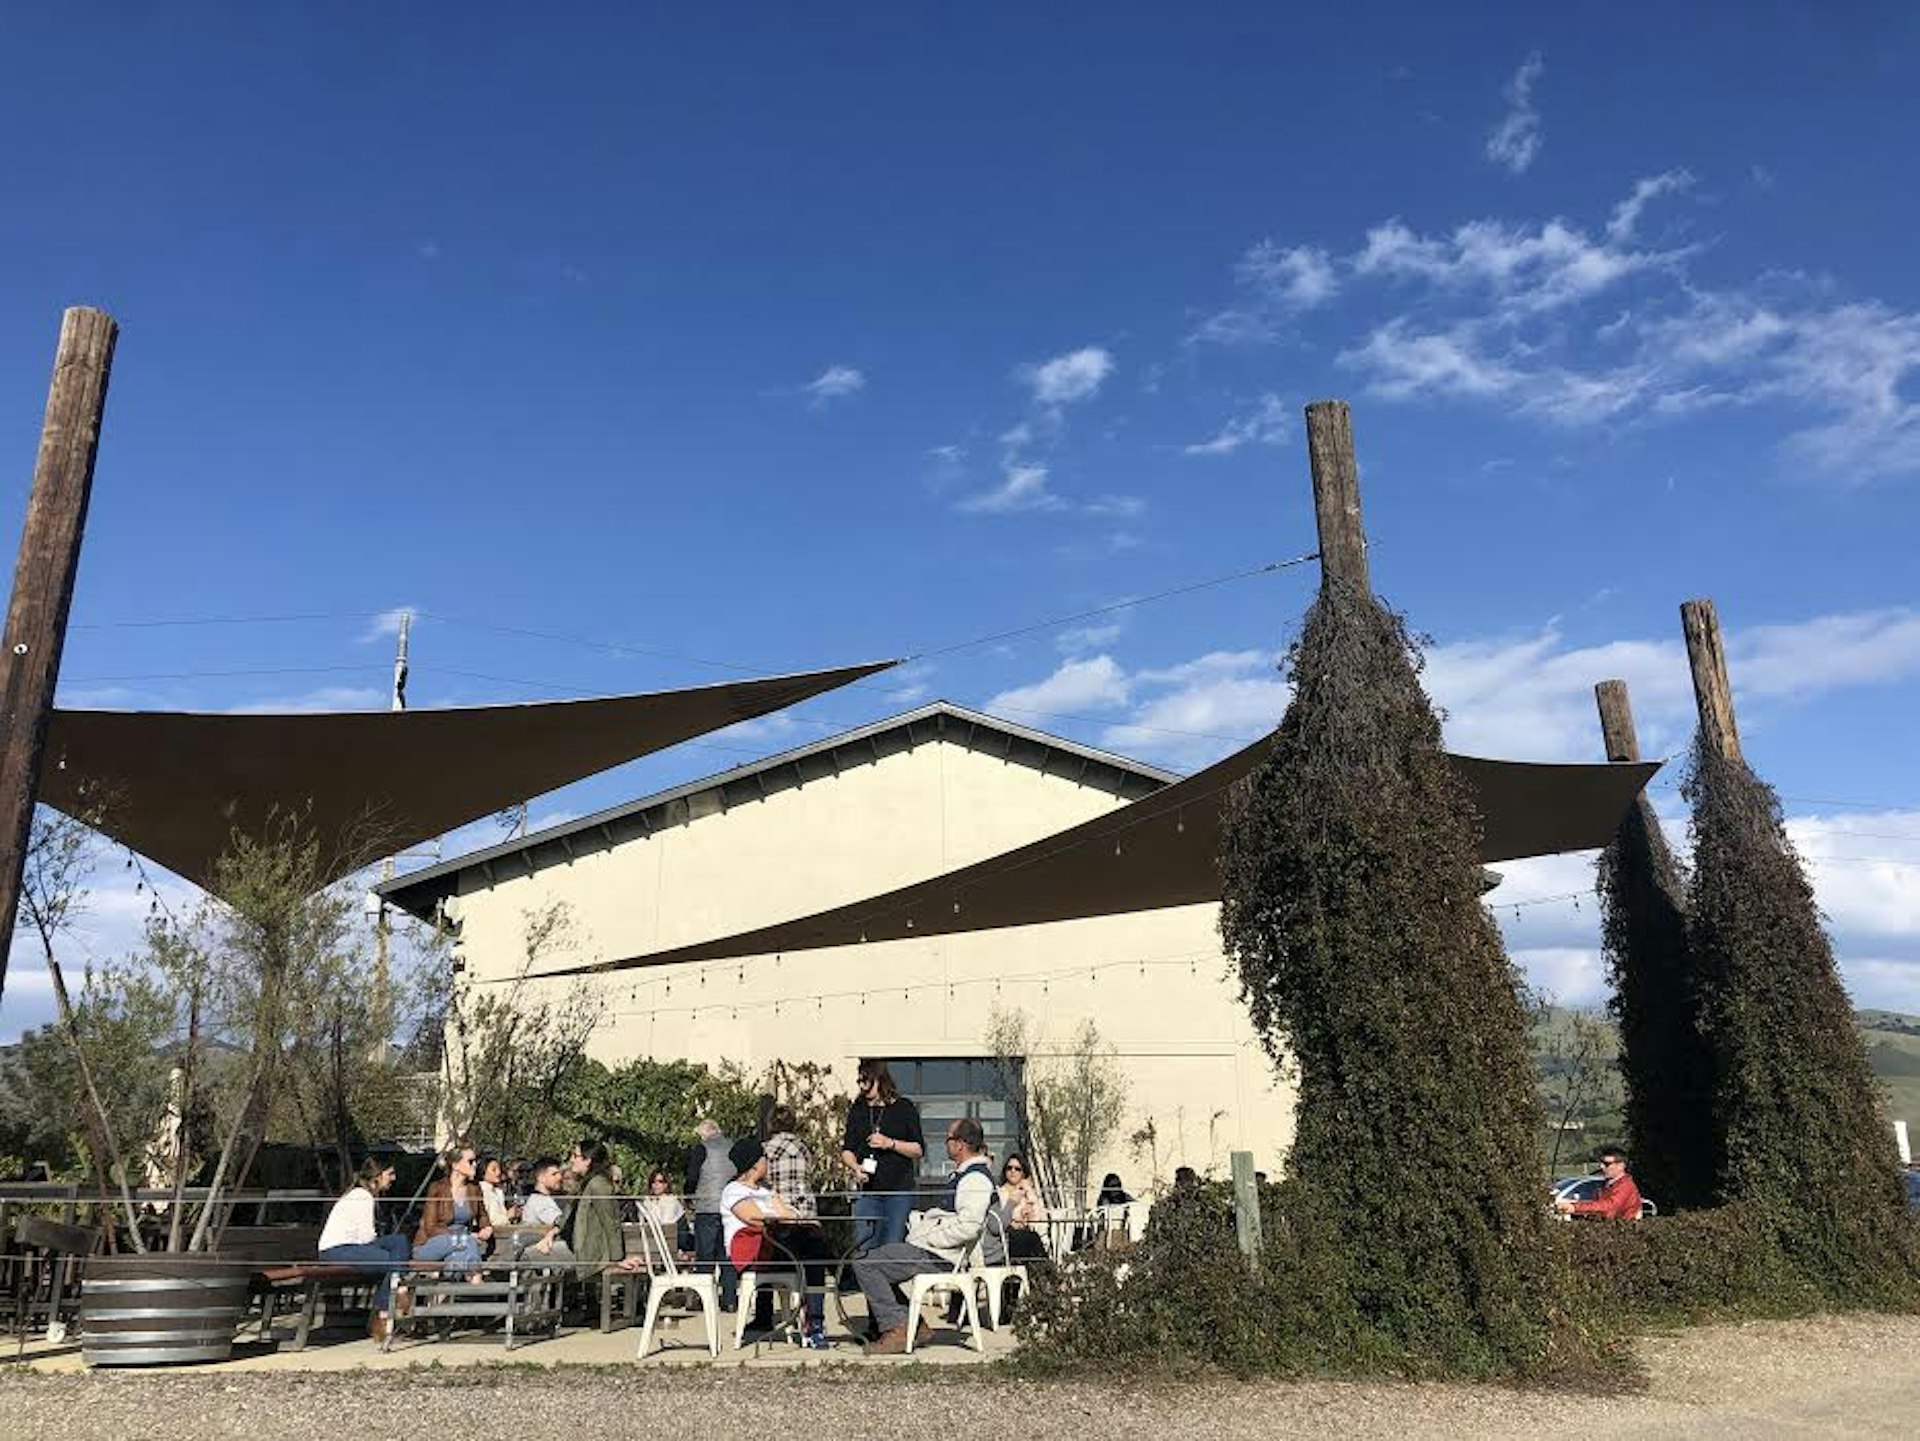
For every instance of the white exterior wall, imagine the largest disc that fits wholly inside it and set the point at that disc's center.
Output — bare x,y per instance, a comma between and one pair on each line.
1154,982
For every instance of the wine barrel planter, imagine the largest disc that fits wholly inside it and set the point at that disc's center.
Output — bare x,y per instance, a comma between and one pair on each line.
155,1309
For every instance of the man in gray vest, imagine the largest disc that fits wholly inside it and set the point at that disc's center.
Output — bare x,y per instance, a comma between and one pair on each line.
937,1240
708,1171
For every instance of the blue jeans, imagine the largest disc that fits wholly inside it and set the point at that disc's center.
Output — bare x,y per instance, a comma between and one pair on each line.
880,1218
456,1246
382,1255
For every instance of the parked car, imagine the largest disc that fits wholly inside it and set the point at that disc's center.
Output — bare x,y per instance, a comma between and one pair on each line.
1912,1177
1587,1188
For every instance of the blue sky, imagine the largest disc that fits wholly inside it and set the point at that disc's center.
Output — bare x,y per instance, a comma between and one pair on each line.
771,340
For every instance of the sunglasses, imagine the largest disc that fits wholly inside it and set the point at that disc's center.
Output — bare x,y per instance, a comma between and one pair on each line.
1016,1170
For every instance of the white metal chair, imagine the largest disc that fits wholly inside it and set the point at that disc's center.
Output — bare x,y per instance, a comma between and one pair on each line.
789,1290
667,1279
995,1278
962,1281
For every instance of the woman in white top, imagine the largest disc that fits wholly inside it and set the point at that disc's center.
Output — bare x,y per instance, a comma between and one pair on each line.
493,1195
746,1205
662,1204
351,1237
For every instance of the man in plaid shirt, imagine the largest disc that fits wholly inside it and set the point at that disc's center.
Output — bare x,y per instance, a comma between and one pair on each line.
790,1165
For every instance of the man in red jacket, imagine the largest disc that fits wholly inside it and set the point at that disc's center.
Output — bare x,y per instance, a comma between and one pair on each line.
1619,1198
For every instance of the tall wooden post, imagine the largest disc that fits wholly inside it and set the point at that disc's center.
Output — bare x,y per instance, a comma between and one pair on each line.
1616,721
1246,1206
1712,691
43,584
1336,493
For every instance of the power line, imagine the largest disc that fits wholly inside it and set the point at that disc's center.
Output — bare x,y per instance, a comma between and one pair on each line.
1268,569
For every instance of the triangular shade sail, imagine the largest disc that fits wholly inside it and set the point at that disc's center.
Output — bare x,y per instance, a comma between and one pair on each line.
1163,851
176,786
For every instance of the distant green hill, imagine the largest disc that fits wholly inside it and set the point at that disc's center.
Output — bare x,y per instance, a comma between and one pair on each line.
1893,1049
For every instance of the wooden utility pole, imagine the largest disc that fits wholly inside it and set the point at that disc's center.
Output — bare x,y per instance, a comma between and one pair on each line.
1616,721
1712,691
1336,493
43,584
383,921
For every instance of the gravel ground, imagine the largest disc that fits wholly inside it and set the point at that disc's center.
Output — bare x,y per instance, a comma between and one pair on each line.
1837,1376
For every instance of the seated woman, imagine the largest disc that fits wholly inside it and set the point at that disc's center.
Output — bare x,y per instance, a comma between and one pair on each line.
453,1227
598,1244
352,1238
667,1209
746,1208
493,1193
1020,1201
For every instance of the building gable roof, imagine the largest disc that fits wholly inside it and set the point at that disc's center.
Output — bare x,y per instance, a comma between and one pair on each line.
420,891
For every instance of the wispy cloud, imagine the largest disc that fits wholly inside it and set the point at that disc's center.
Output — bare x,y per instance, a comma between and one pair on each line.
836,382
386,624
1274,284
1626,215
1268,423
1515,142
1022,488
326,698
1067,379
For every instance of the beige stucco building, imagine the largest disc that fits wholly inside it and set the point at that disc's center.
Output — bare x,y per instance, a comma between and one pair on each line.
850,817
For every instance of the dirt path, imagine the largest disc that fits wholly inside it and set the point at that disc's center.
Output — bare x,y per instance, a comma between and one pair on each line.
1846,1376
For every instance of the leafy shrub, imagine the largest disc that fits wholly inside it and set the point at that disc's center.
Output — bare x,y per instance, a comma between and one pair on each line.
1802,1144
1412,1228
1185,1299
1724,1264
1656,1002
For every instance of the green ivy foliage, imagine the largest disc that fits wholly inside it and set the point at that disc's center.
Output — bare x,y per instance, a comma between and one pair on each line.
1352,910
1655,1000
1802,1144
1184,1301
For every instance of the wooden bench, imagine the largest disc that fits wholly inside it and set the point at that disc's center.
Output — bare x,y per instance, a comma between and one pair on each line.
525,1298
310,1281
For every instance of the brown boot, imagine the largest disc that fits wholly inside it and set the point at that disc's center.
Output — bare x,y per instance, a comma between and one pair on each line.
889,1343
377,1325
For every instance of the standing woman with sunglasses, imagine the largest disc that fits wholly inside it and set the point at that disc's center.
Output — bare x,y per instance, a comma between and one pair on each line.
881,1152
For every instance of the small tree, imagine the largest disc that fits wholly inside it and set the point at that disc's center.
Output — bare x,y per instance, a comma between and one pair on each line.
1067,1105
509,1053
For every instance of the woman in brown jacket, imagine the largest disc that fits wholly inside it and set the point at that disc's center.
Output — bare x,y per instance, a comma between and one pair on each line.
454,1228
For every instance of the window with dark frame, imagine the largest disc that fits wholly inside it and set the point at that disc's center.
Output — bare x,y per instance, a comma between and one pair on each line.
945,1088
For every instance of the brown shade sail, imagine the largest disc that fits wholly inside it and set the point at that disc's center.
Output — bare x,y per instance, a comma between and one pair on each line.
176,786
1163,851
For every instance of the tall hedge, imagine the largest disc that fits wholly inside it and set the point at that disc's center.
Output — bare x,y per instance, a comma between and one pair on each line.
1655,1001
1801,1138
1352,909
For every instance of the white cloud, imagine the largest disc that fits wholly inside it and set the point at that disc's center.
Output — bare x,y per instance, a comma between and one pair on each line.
1095,683
1022,488
1088,637
1522,269
386,624
1516,140
1275,283
1505,312
326,698
1268,423
1070,378
836,382
1626,215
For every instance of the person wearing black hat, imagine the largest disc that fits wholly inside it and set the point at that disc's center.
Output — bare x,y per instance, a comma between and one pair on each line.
746,1208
